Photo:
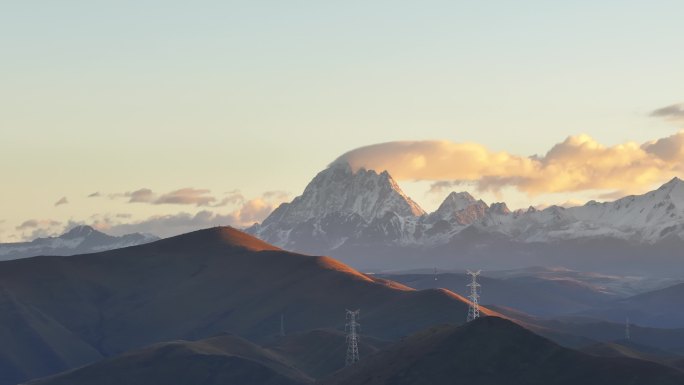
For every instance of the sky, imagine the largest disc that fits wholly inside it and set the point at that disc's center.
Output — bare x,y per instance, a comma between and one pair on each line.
177,115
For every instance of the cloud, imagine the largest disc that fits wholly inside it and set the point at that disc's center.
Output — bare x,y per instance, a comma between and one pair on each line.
579,163
62,201
35,223
442,185
232,198
183,196
276,195
94,195
37,228
170,225
186,196
249,212
673,112
143,195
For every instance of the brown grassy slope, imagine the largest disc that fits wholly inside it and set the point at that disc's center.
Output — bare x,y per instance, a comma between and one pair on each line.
495,351
33,344
321,352
200,284
215,361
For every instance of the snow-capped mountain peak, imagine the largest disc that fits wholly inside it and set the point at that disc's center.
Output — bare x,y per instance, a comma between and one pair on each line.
460,207
79,232
341,203
339,189
456,201
499,208
674,190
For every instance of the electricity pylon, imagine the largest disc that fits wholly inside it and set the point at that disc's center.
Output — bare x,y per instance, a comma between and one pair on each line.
352,337
282,325
627,334
474,309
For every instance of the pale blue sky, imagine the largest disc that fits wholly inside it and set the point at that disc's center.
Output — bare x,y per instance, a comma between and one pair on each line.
260,95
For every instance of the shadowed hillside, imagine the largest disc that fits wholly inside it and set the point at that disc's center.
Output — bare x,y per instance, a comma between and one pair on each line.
321,352
215,361
496,351
197,285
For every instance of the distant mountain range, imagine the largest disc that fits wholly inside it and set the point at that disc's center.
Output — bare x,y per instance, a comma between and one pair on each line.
364,214
565,294
78,240
659,308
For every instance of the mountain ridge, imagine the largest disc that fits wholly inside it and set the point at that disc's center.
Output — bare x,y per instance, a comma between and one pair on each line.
341,213
491,350
77,240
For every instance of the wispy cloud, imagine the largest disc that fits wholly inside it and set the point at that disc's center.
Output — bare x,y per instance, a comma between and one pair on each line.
62,201
94,195
247,213
231,198
674,112
36,223
579,163
183,196
186,196
440,186
36,228
143,195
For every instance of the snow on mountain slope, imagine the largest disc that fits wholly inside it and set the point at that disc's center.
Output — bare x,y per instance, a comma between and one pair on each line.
339,190
78,240
461,208
341,207
340,204
643,218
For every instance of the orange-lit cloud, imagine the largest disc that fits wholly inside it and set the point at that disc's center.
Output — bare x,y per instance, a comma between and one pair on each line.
579,163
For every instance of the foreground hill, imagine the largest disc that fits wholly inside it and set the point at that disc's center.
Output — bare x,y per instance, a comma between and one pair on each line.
214,361
34,344
294,359
321,352
487,351
78,240
496,351
194,286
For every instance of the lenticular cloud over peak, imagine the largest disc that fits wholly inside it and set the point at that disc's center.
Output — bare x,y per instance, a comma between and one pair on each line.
579,163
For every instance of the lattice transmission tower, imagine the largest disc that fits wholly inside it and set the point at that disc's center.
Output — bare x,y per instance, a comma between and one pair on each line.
628,335
474,309
282,325
352,336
